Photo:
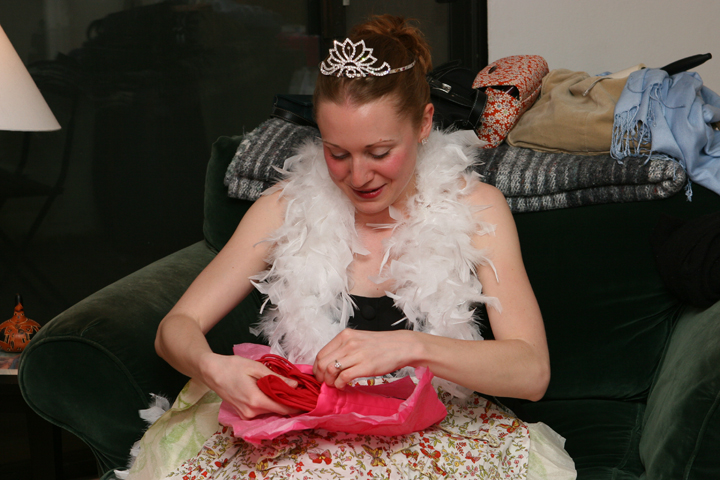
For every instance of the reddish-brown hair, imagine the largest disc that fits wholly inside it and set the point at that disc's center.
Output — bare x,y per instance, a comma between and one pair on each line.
398,42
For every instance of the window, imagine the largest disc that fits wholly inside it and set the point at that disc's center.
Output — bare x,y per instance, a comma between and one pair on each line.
159,81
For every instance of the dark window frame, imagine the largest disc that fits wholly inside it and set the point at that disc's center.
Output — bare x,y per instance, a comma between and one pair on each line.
467,31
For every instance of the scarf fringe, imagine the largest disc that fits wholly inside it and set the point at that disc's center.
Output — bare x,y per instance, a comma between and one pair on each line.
632,135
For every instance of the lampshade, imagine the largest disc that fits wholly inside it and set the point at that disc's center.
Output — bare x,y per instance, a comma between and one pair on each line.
22,106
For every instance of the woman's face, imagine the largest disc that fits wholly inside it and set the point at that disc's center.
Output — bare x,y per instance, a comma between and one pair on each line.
371,152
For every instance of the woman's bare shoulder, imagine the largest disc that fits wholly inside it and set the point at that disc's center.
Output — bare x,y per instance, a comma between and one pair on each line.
263,217
486,195
272,203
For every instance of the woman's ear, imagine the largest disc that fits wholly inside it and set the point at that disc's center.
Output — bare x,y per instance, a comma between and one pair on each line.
426,123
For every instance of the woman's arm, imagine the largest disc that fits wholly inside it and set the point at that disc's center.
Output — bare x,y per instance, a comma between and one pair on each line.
215,292
515,364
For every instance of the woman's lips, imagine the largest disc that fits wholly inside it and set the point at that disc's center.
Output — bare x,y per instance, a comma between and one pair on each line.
368,194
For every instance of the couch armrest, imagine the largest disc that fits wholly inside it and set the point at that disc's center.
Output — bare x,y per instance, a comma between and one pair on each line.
681,436
91,368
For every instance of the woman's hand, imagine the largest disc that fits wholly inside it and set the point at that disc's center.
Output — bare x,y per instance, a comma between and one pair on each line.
235,378
362,353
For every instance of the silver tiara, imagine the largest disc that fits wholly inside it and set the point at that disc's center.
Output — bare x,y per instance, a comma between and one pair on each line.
348,59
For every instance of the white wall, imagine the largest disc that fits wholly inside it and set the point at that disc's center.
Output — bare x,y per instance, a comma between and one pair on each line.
607,35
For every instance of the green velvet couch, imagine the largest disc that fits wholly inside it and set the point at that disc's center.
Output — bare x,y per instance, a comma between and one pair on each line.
635,373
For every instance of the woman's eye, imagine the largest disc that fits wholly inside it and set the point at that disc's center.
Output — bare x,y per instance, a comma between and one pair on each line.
380,155
338,156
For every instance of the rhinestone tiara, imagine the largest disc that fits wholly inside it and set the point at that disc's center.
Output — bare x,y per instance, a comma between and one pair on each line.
352,60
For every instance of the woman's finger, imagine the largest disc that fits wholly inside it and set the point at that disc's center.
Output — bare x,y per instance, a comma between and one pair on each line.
246,397
257,403
261,370
330,355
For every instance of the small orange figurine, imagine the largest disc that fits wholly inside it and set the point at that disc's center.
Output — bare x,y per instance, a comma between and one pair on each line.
18,330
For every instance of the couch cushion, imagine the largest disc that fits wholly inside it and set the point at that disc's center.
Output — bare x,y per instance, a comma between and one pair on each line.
98,360
602,436
681,434
607,314
222,213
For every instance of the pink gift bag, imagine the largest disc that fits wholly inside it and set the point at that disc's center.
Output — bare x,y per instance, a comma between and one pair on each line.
394,408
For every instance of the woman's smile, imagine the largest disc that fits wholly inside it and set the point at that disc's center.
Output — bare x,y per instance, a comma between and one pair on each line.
369,194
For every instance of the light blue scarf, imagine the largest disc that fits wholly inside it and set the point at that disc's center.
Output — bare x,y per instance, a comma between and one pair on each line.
657,113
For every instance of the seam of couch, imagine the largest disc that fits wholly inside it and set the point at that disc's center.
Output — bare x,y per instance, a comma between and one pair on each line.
701,435
634,434
91,343
211,247
679,310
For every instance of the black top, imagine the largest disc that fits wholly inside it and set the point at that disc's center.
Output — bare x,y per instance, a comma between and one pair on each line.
377,314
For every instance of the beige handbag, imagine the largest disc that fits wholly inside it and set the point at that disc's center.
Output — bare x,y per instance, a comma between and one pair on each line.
574,113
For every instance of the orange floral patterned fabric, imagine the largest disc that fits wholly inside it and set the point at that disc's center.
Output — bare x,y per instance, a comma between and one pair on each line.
512,84
477,440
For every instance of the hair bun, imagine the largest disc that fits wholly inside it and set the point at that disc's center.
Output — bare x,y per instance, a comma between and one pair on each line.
397,42
404,31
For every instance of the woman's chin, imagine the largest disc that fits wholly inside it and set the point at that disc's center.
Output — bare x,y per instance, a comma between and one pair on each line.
370,209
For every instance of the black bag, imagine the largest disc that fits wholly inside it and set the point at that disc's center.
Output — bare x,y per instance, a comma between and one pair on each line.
687,63
457,104
297,109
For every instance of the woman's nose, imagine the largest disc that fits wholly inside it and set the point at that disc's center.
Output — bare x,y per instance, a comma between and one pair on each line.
360,174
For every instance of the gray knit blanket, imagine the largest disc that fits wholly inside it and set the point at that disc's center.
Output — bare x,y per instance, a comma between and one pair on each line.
531,181
252,169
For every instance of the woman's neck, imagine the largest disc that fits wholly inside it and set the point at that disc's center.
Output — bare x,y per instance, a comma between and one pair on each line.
380,218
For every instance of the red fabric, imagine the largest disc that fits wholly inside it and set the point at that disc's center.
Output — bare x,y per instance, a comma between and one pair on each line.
303,397
512,84
395,408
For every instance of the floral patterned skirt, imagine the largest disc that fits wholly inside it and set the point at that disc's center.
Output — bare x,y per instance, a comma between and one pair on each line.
477,439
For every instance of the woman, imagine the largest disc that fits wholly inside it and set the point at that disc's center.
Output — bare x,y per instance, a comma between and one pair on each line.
382,209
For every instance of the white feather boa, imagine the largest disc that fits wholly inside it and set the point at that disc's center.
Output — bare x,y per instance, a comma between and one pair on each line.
429,255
